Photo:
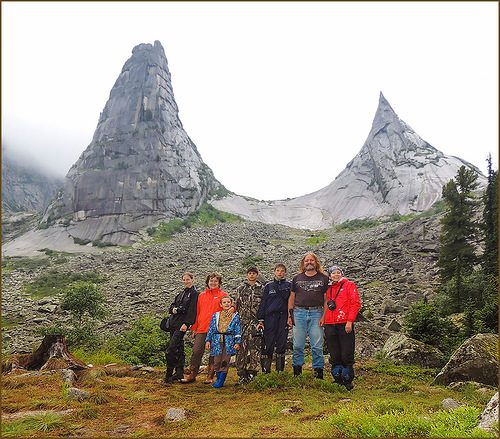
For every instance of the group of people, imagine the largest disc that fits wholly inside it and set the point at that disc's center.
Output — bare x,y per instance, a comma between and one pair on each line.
255,326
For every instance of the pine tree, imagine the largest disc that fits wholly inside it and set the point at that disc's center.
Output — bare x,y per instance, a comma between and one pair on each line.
490,223
459,235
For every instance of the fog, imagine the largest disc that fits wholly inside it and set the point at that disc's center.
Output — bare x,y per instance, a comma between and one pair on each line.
281,93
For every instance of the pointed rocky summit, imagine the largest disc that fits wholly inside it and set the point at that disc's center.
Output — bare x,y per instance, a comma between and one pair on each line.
141,166
396,172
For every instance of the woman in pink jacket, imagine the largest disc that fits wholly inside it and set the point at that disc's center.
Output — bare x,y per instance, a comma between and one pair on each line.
341,308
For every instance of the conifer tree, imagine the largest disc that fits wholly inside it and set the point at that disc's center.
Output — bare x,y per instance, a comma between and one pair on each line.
490,223
459,235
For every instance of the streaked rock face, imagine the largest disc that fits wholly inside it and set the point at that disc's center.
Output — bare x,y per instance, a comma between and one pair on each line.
395,172
24,188
141,165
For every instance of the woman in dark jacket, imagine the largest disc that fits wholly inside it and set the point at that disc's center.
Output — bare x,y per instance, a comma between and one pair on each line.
182,316
341,308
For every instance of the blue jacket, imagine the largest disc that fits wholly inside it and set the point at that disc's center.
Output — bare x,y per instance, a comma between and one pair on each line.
274,298
231,337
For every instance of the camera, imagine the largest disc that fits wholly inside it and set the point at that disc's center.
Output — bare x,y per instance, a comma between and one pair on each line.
331,305
257,332
178,310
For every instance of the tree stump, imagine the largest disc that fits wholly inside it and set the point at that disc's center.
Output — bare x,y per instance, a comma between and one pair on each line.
53,354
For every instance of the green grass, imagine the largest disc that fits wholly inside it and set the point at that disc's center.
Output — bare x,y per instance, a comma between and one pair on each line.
97,357
54,282
274,405
317,238
205,216
30,425
402,423
357,224
9,322
389,368
24,264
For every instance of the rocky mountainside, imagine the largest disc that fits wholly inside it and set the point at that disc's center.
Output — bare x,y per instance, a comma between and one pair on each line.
394,265
141,165
395,172
24,187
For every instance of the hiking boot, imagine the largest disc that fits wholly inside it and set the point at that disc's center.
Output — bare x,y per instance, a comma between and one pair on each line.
168,375
190,377
280,362
318,373
297,370
337,374
265,362
252,374
178,375
243,377
210,374
221,378
347,377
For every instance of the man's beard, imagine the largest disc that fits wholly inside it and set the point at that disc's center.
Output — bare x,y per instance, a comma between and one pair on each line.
310,267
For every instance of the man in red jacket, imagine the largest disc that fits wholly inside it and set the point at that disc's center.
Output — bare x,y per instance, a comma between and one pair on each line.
340,310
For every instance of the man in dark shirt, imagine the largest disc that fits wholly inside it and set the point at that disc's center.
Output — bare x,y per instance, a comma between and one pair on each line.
305,308
273,316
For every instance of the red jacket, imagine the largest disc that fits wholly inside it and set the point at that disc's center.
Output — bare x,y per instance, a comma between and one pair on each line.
208,303
348,303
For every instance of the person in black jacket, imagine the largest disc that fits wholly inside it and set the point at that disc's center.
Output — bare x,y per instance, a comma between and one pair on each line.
182,316
273,316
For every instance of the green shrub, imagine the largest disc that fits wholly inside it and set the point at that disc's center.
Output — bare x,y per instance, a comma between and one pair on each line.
205,216
144,343
55,282
250,261
165,230
357,224
101,244
84,300
423,322
80,241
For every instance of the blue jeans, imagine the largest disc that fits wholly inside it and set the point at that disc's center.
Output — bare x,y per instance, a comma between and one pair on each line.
307,324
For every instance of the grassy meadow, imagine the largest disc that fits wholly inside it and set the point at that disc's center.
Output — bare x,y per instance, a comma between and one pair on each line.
388,400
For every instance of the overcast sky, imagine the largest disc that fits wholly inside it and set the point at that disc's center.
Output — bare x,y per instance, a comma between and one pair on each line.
278,97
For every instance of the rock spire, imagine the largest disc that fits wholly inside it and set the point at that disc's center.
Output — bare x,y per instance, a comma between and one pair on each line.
141,165
395,172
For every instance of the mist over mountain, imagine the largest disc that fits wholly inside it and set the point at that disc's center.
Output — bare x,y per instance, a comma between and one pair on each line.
26,186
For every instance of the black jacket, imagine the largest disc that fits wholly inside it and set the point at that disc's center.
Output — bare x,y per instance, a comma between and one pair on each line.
274,298
185,303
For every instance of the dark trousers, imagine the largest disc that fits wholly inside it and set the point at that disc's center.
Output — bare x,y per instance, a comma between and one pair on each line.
340,345
275,334
174,354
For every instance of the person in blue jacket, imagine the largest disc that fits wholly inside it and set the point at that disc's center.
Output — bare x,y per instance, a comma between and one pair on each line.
223,338
273,316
